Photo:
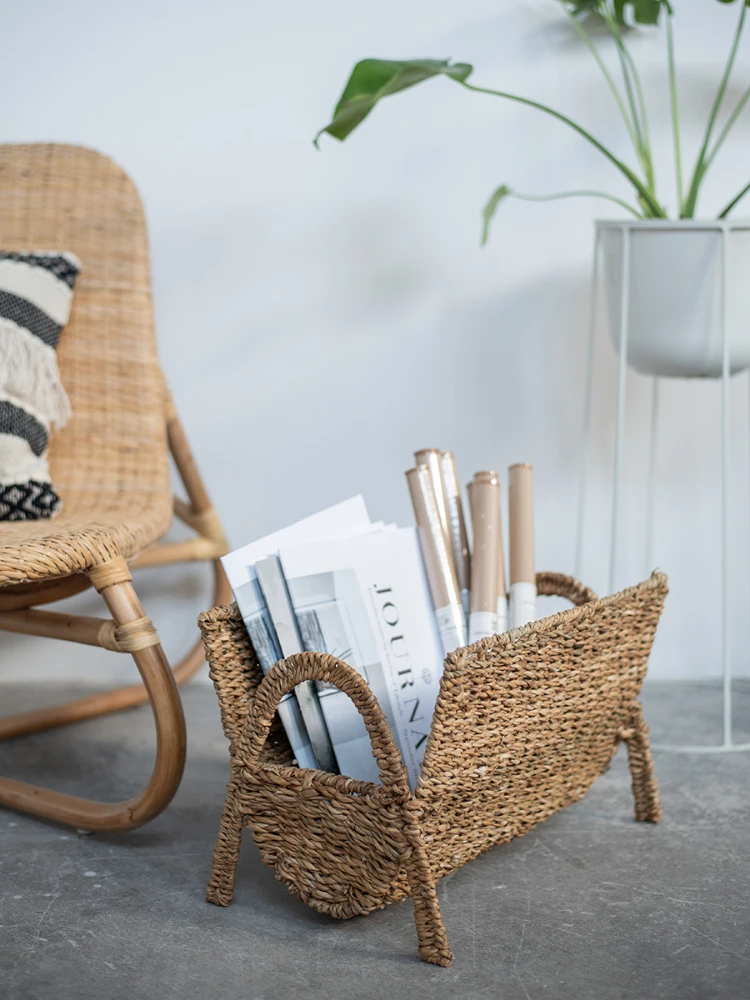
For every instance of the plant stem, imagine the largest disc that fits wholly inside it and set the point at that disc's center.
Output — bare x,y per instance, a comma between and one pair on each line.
675,109
688,208
648,197
504,191
589,43
648,164
734,201
635,97
576,194
728,127
641,99
628,89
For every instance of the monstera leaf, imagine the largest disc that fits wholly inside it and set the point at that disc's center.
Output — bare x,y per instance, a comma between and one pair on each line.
373,79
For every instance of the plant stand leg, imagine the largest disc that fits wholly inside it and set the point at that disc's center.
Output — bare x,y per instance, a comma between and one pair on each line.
645,788
726,656
220,889
651,479
620,422
586,433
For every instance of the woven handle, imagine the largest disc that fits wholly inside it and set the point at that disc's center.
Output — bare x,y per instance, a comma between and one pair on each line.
286,675
559,585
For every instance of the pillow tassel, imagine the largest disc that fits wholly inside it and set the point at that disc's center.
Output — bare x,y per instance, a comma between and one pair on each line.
29,370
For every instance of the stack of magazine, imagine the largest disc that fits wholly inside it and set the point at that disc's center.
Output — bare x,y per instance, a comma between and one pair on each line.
337,583
390,602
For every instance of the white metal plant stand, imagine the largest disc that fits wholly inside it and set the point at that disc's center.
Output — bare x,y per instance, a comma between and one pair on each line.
626,228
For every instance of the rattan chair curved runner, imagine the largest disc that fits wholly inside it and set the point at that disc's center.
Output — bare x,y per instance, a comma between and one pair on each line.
110,466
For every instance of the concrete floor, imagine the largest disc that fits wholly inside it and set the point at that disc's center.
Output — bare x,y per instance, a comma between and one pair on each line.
589,905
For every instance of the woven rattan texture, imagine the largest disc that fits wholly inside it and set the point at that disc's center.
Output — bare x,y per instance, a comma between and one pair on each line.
523,725
538,714
236,673
109,464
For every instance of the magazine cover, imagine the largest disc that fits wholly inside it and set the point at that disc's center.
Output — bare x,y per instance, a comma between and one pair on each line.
365,600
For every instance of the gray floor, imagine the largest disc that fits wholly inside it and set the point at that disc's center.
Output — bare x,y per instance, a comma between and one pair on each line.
589,905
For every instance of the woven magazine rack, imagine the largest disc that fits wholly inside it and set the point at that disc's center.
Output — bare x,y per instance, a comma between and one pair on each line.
523,724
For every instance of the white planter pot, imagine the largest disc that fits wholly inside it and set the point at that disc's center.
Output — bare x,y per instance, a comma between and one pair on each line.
674,290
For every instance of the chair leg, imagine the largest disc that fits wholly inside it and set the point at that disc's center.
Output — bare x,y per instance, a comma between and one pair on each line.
107,701
161,690
643,776
431,934
220,889
200,515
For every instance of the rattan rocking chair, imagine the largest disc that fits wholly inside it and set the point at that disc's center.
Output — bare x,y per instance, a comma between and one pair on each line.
110,465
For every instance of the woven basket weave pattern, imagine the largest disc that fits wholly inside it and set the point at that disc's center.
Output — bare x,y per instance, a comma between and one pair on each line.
523,725
526,721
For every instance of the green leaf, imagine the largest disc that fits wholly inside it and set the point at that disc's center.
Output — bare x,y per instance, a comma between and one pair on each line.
373,79
644,11
504,191
488,212
647,11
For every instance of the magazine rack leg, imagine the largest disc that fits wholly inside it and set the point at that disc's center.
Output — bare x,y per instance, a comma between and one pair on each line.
431,933
246,756
645,788
220,889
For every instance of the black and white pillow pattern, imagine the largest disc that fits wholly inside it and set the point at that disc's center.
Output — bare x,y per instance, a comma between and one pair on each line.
36,295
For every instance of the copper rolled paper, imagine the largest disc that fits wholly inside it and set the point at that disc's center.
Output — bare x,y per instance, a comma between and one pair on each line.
431,458
501,624
522,573
441,573
456,527
485,512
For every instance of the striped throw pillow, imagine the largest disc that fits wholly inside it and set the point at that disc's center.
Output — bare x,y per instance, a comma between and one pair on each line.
36,295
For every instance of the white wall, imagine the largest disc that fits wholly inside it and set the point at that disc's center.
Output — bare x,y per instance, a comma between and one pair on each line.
321,315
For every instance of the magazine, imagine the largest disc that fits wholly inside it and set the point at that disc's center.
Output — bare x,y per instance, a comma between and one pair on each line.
345,518
262,634
279,605
239,566
365,600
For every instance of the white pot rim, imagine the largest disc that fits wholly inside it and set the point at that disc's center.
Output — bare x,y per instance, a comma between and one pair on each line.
700,225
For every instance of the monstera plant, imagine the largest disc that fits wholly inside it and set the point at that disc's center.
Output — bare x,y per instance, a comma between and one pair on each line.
671,276
373,79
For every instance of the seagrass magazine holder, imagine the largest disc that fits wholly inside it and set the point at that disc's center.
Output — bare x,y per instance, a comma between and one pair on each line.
524,723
